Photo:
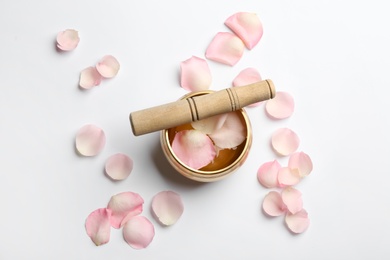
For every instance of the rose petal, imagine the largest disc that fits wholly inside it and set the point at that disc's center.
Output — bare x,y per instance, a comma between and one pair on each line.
90,140
246,77
68,40
225,48
193,148
108,66
281,106
119,166
210,124
124,206
267,174
298,222
89,77
285,141
273,204
302,162
288,177
195,74
98,226
231,134
138,232
292,198
167,207
247,26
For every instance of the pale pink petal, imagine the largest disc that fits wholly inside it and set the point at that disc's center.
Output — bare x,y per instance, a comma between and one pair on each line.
68,40
273,204
285,141
138,232
281,106
90,140
98,226
231,134
246,77
267,174
298,222
302,162
247,26
124,206
225,48
108,66
193,148
167,207
210,124
89,77
119,166
288,177
292,198
195,74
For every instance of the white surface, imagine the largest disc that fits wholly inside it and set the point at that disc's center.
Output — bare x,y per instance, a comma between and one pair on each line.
332,56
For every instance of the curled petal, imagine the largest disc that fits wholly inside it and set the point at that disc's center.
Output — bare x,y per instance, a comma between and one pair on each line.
231,134
273,204
90,140
267,174
285,141
68,40
193,148
246,77
292,198
302,162
288,177
124,206
167,207
247,26
98,226
210,124
108,66
281,106
89,77
138,232
119,166
195,74
297,222
225,48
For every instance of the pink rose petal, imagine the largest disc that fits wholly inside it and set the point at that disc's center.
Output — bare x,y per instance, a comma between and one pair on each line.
138,232
267,174
195,74
273,204
108,66
98,226
288,177
302,162
67,40
298,222
124,206
119,166
210,124
225,48
89,77
285,141
292,198
231,134
246,77
247,26
90,140
281,106
193,148
167,207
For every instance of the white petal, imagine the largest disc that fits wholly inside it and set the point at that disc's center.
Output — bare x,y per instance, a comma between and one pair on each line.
298,222
167,207
90,140
273,204
285,141
89,77
225,48
195,74
119,166
292,198
108,66
281,106
138,232
302,162
68,40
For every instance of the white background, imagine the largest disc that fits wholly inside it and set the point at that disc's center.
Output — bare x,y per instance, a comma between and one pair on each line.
332,56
